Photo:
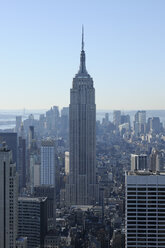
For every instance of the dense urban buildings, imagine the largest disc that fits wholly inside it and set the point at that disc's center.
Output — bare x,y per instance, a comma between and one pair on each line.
119,150
83,181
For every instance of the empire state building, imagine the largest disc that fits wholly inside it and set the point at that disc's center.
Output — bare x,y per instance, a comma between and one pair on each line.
82,188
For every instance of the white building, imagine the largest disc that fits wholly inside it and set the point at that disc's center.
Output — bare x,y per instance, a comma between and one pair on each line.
8,199
34,172
66,163
145,209
47,162
139,162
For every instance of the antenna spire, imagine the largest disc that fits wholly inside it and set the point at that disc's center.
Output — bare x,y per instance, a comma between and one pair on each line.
82,48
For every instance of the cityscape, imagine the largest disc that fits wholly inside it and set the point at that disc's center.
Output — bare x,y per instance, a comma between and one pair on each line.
75,176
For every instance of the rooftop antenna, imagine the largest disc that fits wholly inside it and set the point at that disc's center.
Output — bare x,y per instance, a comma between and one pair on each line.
82,48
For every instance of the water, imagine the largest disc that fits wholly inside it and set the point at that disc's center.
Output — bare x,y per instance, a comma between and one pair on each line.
7,117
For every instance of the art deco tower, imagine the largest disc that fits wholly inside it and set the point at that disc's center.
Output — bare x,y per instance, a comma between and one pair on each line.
82,188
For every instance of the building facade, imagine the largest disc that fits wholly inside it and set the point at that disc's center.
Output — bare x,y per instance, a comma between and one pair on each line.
47,162
145,209
82,188
21,242
140,123
8,199
11,141
32,220
139,162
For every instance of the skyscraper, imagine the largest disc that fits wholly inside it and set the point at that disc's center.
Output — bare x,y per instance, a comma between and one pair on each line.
48,162
116,118
145,209
140,123
82,187
22,159
32,220
11,140
8,199
48,170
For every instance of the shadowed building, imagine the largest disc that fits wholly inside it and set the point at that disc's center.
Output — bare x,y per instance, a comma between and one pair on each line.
8,199
11,141
32,220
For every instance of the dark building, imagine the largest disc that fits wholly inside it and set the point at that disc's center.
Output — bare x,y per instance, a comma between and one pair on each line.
124,119
11,142
22,162
31,136
155,125
46,191
32,220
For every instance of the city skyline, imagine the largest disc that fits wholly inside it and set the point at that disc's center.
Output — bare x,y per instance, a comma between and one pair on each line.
41,42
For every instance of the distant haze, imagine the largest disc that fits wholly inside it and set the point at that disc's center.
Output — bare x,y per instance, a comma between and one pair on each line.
7,118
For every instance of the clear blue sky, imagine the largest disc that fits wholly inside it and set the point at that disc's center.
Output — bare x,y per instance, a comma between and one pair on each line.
40,49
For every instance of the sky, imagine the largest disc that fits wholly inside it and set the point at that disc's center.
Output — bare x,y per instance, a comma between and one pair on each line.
40,43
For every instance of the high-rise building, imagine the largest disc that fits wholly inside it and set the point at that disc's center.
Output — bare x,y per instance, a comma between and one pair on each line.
8,199
139,162
30,136
52,119
32,220
48,170
47,162
18,123
155,125
116,118
125,119
82,188
154,160
140,122
64,123
11,141
34,179
145,209
46,191
22,162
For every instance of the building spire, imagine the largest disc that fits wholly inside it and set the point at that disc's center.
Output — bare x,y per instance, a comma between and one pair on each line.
82,47
82,70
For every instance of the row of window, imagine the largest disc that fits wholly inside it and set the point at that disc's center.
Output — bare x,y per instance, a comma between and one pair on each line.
147,235
145,219
145,193
146,188
136,230
144,239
